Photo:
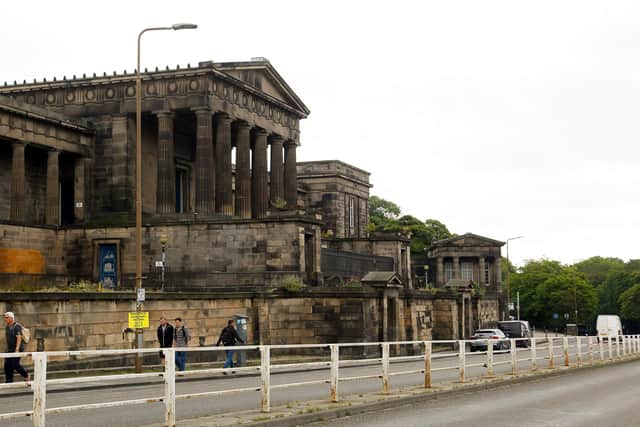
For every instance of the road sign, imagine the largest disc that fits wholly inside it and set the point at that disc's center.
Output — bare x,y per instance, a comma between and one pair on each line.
159,264
141,294
139,319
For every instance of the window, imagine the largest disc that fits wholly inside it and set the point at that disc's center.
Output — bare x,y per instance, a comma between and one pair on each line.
486,272
182,189
466,270
448,271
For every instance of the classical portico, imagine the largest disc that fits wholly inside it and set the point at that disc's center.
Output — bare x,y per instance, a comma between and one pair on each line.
470,258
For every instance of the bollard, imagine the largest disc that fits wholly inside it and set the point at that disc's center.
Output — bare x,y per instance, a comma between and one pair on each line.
489,358
335,365
385,368
514,356
461,360
265,379
534,356
39,389
169,387
565,349
550,353
579,352
427,364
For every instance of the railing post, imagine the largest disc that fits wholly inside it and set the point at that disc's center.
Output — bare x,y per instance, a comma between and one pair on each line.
635,343
590,345
601,346
624,345
534,355
39,388
335,365
461,359
579,352
514,355
427,364
385,368
618,346
610,345
550,353
489,358
265,378
565,349
169,387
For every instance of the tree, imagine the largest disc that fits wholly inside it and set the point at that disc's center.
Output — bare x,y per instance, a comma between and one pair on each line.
630,303
616,283
527,281
564,293
382,211
596,269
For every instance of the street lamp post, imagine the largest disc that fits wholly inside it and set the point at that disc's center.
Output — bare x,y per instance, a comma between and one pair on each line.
509,278
139,341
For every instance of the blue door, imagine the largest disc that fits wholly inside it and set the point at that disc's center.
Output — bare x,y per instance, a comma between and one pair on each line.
108,273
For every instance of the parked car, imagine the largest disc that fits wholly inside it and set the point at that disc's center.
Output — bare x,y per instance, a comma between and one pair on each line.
608,326
517,329
496,336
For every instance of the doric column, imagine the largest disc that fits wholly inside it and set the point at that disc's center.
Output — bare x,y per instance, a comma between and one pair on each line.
224,192
243,171
481,267
456,267
18,182
53,188
259,187
290,174
277,171
205,177
79,189
497,268
123,165
440,272
166,198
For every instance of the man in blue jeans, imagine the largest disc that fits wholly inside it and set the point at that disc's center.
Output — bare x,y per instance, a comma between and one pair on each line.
181,337
228,337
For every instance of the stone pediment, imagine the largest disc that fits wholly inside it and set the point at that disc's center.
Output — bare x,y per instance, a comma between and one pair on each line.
260,74
466,240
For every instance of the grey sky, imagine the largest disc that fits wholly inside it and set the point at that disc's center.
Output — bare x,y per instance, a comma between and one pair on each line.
500,118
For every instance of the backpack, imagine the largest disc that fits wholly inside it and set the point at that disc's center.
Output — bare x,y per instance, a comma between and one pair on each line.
26,334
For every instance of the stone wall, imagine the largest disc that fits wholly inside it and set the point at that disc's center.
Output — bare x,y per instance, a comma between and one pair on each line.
69,321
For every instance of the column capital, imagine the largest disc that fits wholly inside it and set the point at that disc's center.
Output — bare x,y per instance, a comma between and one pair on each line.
164,114
290,143
259,131
274,137
222,118
241,124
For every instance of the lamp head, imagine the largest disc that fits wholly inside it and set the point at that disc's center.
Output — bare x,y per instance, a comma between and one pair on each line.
184,26
164,239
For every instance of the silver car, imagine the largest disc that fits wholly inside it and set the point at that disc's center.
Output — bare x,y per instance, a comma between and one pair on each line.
496,336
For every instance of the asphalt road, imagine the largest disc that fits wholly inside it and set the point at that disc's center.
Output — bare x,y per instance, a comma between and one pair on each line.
605,396
196,407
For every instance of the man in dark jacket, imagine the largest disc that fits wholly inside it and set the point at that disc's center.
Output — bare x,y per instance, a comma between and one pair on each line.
165,336
13,332
228,337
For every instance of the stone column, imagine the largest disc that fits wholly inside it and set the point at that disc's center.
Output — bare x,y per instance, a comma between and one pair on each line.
79,189
123,165
456,267
481,267
277,172
53,188
243,171
18,183
259,187
205,177
440,272
224,192
166,199
290,175
498,274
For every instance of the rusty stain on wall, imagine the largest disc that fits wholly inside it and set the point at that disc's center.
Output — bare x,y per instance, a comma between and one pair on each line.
28,261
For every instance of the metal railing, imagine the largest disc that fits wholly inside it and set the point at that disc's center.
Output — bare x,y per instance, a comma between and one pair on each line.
582,347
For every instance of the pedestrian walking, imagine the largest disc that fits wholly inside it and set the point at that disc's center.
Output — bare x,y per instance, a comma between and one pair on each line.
181,337
228,337
15,344
165,336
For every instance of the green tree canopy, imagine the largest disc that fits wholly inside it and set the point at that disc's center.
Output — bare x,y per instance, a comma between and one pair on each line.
527,280
629,302
597,268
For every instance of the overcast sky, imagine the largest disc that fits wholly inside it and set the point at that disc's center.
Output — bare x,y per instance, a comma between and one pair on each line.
500,118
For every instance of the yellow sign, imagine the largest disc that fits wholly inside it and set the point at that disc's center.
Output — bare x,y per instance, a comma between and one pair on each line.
139,319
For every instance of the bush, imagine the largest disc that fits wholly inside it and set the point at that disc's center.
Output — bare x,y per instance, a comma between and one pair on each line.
292,284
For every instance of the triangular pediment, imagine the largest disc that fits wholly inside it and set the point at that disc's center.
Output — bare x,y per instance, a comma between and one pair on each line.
466,240
261,75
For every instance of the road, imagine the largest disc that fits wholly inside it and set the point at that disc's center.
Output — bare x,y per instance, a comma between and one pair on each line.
605,396
196,407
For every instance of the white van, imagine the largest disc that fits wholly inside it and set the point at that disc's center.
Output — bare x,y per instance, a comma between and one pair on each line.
608,326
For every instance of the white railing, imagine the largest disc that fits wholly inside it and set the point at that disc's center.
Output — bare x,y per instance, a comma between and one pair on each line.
624,346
